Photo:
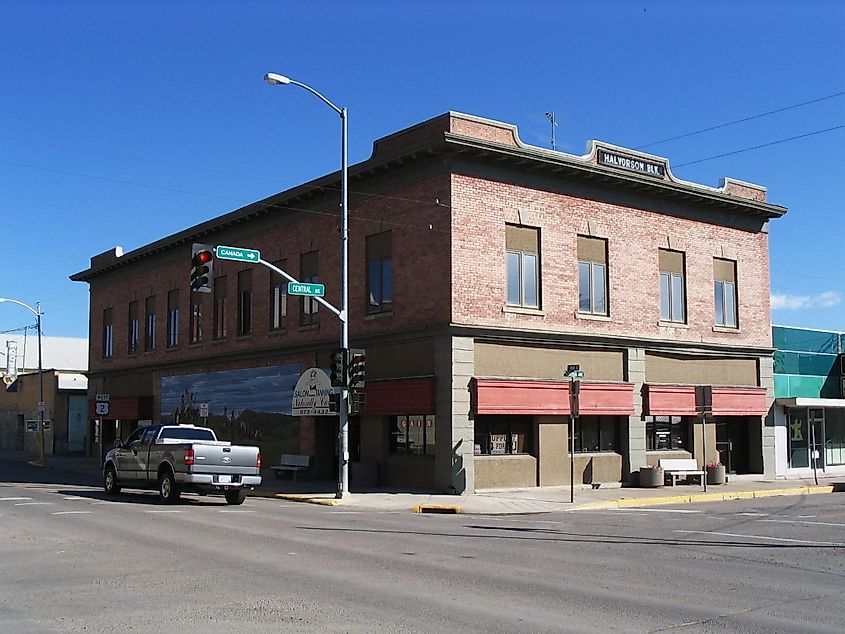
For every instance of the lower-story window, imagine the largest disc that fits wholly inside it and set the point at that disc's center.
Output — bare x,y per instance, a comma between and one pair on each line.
596,433
666,433
412,435
503,435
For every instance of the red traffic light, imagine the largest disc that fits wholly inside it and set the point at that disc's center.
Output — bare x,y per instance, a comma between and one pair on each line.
203,256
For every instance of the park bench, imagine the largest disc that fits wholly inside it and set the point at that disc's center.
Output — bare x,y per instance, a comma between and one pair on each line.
293,463
676,468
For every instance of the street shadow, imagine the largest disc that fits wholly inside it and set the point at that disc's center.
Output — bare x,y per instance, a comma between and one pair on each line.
520,533
146,498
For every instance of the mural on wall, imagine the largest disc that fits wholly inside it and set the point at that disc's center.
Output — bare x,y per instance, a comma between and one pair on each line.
250,406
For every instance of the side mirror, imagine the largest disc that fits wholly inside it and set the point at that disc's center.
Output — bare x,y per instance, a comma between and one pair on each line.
118,443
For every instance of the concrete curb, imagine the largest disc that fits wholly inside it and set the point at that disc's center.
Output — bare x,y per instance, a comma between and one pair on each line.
703,497
437,508
292,497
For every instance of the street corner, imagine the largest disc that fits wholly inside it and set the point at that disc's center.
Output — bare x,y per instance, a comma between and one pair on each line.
308,499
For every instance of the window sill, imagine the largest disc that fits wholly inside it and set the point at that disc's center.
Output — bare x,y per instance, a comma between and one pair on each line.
609,452
307,327
379,315
522,310
504,455
171,349
195,344
149,352
729,329
218,341
132,355
673,324
592,317
244,337
276,332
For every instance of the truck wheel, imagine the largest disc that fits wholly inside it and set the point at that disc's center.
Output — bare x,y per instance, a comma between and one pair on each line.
110,481
168,489
236,496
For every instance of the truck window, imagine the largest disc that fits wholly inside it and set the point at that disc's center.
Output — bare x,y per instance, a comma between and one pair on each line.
186,433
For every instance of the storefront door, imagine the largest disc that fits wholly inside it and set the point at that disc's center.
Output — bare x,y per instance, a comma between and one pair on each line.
732,444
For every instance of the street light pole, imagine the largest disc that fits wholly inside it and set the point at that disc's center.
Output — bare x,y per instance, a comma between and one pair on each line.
37,312
343,435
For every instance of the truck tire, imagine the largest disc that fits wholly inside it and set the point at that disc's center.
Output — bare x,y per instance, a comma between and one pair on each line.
110,484
168,489
236,496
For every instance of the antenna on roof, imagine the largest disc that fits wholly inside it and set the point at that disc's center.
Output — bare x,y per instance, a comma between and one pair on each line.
551,117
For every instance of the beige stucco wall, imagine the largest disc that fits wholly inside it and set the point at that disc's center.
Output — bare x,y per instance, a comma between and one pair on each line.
492,359
504,472
552,439
660,368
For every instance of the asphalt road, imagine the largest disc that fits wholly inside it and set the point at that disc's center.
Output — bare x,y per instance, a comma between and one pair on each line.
73,560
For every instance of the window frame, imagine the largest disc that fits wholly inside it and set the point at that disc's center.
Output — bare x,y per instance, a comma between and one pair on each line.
195,319
244,322
219,331
487,426
523,248
678,433
428,434
379,263
278,299
309,307
172,318
601,422
108,333
133,330
150,323
725,294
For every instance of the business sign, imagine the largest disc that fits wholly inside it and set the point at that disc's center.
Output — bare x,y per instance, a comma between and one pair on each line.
312,395
203,410
238,254
631,163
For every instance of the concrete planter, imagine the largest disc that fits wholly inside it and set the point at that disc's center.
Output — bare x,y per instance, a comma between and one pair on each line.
651,477
715,474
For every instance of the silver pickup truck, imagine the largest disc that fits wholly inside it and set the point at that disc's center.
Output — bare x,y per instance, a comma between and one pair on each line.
177,458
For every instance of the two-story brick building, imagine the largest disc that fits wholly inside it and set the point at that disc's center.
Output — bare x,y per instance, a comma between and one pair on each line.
480,268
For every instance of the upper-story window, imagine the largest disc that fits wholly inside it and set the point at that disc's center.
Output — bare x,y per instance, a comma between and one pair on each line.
134,331
195,318
592,275
172,319
108,333
218,317
672,294
725,296
279,299
150,323
379,273
522,245
308,273
244,302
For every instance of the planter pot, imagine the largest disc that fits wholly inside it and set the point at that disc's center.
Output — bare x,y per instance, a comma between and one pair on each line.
716,475
651,477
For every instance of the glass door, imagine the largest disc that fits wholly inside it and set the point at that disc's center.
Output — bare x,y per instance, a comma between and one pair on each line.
834,437
799,439
816,425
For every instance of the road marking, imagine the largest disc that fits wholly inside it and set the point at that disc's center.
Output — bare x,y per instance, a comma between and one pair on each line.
108,502
777,539
163,511
754,514
13,499
805,522
234,511
31,503
70,512
74,497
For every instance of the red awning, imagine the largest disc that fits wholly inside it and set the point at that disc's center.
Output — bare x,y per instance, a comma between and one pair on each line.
550,398
739,401
124,408
680,400
669,400
398,397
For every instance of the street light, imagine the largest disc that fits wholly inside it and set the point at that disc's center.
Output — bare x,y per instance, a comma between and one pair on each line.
275,79
37,312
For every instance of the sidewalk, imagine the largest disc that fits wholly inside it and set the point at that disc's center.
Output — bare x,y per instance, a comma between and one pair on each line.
499,502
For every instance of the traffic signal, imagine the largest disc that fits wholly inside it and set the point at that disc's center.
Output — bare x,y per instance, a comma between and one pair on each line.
357,402
202,264
337,373
357,367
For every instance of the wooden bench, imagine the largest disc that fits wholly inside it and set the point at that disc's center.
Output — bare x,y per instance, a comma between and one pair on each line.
293,463
676,468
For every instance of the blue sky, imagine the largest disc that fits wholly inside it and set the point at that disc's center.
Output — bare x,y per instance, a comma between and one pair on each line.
123,122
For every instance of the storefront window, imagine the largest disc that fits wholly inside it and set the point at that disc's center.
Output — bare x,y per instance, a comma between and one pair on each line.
412,435
503,435
799,439
595,434
666,433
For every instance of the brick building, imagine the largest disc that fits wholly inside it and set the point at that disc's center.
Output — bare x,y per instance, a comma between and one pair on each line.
480,268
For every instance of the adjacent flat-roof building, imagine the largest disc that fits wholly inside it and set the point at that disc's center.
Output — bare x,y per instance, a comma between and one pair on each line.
480,269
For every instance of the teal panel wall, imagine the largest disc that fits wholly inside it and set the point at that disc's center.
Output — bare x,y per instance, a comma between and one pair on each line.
797,340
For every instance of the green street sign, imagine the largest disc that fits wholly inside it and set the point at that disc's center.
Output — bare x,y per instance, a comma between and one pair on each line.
237,253
310,290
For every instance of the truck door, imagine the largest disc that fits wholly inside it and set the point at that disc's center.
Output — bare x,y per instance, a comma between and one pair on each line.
142,455
125,457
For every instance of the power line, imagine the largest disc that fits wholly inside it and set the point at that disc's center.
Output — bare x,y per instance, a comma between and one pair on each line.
757,147
730,123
